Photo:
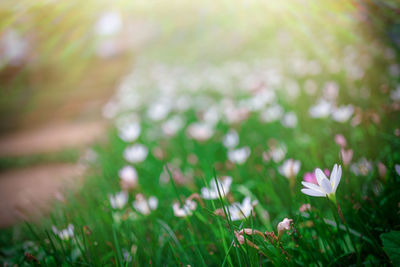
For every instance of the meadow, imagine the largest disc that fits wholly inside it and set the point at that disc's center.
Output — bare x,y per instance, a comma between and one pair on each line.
271,139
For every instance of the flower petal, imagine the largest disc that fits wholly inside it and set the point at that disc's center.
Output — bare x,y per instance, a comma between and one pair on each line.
320,176
326,185
337,179
312,193
313,186
332,178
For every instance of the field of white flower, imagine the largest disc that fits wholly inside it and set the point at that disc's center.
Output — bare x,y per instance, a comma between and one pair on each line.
285,152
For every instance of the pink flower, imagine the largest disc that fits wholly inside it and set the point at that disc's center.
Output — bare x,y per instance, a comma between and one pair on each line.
284,225
305,207
347,155
340,140
382,170
309,177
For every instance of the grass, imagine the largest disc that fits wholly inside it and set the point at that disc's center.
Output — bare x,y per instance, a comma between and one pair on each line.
199,61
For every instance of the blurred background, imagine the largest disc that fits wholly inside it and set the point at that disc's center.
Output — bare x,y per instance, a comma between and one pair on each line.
61,61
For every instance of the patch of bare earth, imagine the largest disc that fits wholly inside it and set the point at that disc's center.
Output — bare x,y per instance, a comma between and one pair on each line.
27,194
51,138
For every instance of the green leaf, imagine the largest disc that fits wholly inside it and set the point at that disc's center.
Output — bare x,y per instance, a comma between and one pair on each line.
391,245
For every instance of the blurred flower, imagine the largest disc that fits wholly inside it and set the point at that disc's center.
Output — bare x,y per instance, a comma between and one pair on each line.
342,113
382,170
109,23
129,132
187,209
192,159
397,168
211,116
290,168
231,139
362,167
212,191
276,152
13,48
145,206
321,110
172,125
158,111
119,200
305,207
272,113
325,187
395,94
129,177
158,153
136,153
176,174
239,155
64,234
284,226
236,115
310,176
200,131
340,140
347,155
289,120
240,211
331,90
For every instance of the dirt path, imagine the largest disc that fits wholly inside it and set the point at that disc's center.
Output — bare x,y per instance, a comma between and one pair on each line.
51,138
28,193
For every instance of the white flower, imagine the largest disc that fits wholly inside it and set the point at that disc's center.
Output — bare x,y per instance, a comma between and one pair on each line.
272,113
236,114
260,99
109,23
342,113
211,116
397,168
289,120
240,211
290,168
158,111
129,132
277,153
362,167
119,200
187,209
128,176
325,187
231,139
239,155
395,94
135,153
145,206
64,234
172,125
200,131
321,110
284,225
212,192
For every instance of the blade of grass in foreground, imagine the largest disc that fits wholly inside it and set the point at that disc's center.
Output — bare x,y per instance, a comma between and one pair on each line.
228,217
191,230
117,248
221,230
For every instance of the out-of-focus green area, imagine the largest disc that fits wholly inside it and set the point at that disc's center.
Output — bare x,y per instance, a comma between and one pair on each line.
60,58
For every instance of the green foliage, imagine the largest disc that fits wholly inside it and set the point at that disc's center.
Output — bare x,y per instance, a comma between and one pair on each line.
391,245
